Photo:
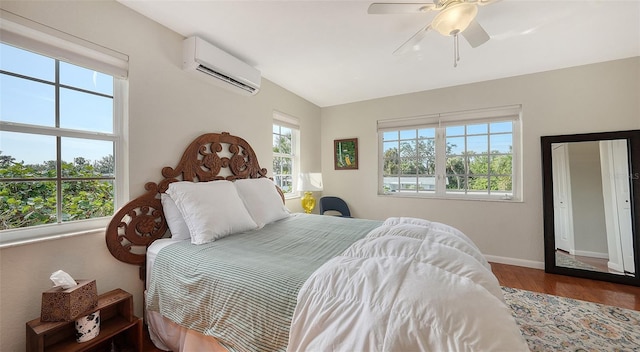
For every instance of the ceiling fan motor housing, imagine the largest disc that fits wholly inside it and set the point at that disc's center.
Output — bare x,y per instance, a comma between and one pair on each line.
455,17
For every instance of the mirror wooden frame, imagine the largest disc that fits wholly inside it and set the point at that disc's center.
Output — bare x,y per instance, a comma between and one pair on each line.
633,147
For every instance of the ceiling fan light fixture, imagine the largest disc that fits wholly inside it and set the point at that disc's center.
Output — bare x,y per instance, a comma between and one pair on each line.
455,18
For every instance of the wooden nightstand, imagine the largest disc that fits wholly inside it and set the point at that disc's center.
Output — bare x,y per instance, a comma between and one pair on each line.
118,327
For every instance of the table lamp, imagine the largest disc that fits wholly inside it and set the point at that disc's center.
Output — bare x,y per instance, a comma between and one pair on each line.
307,183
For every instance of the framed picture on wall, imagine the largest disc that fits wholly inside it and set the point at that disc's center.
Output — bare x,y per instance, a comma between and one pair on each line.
345,154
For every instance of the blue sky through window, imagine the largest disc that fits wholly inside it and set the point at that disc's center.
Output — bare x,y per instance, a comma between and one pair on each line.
33,102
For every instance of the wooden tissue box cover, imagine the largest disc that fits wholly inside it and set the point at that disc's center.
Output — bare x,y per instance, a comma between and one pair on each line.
66,305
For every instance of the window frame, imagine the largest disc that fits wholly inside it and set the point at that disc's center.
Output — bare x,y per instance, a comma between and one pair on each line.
284,120
439,122
31,36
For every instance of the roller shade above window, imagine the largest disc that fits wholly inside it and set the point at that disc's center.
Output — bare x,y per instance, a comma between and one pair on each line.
504,113
29,35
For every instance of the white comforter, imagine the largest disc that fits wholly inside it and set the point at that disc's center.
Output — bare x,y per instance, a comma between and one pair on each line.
410,285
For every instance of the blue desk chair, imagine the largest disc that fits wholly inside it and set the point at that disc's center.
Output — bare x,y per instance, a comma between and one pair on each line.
335,204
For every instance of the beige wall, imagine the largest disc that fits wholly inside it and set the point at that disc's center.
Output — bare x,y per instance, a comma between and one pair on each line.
599,97
167,109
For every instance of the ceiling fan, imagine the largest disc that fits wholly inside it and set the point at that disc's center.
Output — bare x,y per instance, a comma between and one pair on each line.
454,17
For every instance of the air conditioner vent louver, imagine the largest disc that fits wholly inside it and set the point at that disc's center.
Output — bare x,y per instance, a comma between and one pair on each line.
225,78
220,68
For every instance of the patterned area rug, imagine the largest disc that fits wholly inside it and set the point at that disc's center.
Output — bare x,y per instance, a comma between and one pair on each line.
567,261
552,323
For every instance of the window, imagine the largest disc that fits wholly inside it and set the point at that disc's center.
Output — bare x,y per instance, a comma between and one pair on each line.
61,155
457,155
285,153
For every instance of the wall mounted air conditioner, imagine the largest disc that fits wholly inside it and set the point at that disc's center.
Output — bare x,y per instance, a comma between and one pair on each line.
219,67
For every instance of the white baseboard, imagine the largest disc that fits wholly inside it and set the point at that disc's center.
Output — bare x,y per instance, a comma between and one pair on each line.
515,261
593,254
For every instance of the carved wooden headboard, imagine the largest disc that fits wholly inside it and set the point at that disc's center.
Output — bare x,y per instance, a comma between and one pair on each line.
210,157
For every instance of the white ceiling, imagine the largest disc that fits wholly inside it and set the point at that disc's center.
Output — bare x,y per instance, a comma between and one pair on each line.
333,52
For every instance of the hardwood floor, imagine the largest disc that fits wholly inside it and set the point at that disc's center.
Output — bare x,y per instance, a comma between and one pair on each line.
537,280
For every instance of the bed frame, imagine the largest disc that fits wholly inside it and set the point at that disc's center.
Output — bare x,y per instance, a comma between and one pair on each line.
210,157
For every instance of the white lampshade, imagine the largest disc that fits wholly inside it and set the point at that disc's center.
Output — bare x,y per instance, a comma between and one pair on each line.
310,182
455,18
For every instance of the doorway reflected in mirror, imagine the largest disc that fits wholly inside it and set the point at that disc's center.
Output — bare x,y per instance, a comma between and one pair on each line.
592,206
590,221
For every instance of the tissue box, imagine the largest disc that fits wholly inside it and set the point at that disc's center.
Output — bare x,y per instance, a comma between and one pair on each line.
59,304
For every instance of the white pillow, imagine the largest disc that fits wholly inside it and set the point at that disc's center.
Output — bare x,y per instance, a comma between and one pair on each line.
262,200
211,210
177,226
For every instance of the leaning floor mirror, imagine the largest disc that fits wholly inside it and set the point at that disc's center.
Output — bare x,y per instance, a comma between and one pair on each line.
592,205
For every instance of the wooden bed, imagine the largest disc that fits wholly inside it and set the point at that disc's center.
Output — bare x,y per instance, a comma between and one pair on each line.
210,157
336,284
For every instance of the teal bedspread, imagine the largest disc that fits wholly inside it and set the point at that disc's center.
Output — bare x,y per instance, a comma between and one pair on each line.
242,289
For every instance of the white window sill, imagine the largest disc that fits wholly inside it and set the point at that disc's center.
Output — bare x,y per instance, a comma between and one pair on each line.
451,197
16,243
35,234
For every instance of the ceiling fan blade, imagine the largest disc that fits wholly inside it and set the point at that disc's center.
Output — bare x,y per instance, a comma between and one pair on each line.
411,44
389,8
475,34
